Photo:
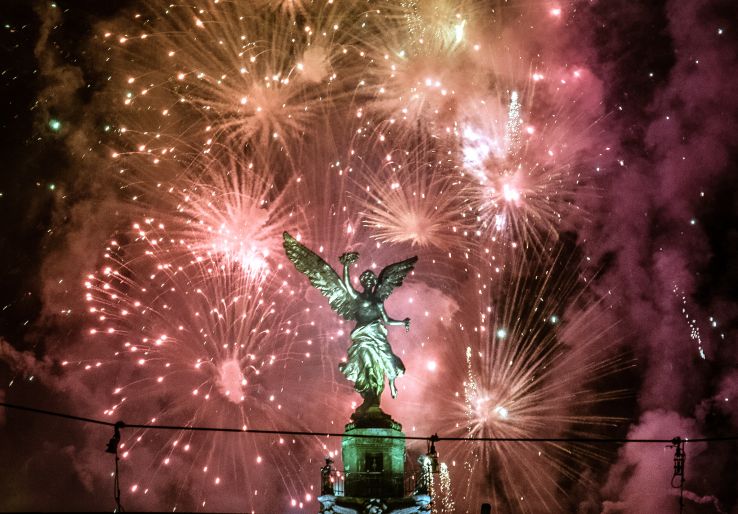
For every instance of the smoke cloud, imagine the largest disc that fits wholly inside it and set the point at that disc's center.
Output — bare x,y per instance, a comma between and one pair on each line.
655,118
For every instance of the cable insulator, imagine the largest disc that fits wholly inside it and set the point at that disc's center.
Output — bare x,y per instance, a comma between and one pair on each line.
680,457
112,447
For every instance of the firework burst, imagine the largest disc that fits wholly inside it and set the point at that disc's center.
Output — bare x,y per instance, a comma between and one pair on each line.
414,196
219,207
524,190
249,74
532,366
191,342
419,66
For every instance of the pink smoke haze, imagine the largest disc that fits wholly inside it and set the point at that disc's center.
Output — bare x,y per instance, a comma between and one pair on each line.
565,172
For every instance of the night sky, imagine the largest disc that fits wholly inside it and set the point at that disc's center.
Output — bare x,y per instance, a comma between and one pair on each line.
635,212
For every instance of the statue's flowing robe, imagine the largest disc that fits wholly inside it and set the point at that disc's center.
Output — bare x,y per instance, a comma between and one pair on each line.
370,357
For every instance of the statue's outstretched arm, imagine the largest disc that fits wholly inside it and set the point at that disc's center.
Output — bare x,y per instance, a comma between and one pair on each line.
347,259
395,322
347,281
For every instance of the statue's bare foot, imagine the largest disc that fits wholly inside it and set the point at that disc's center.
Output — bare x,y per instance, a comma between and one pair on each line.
393,389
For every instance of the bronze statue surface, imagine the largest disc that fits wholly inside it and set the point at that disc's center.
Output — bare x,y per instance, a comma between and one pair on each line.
370,356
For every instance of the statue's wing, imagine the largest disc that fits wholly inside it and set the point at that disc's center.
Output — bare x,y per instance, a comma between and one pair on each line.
392,277
321,275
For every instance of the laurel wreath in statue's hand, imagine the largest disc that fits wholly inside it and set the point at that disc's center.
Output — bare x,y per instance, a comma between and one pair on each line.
348,258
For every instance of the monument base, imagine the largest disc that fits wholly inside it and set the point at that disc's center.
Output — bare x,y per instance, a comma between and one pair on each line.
374,459
372,417
373,449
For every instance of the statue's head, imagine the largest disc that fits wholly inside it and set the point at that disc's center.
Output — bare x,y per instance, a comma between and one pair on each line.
368,279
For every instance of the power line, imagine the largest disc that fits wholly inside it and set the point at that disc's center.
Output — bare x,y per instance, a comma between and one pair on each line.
676,442
57,414
434,437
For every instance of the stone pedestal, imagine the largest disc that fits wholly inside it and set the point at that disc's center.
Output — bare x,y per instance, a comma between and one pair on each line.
374,467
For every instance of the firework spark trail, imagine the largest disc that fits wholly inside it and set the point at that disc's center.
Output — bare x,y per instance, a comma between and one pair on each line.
694,329
535,345
331,226
445,492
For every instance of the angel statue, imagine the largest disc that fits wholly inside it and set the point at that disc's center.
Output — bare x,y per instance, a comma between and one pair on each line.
370,355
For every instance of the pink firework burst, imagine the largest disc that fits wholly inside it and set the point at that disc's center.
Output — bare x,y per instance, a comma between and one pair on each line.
191,341
220,207
533,365
524,185
414,196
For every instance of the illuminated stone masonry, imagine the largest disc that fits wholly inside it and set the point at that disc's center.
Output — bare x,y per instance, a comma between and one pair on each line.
374,470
